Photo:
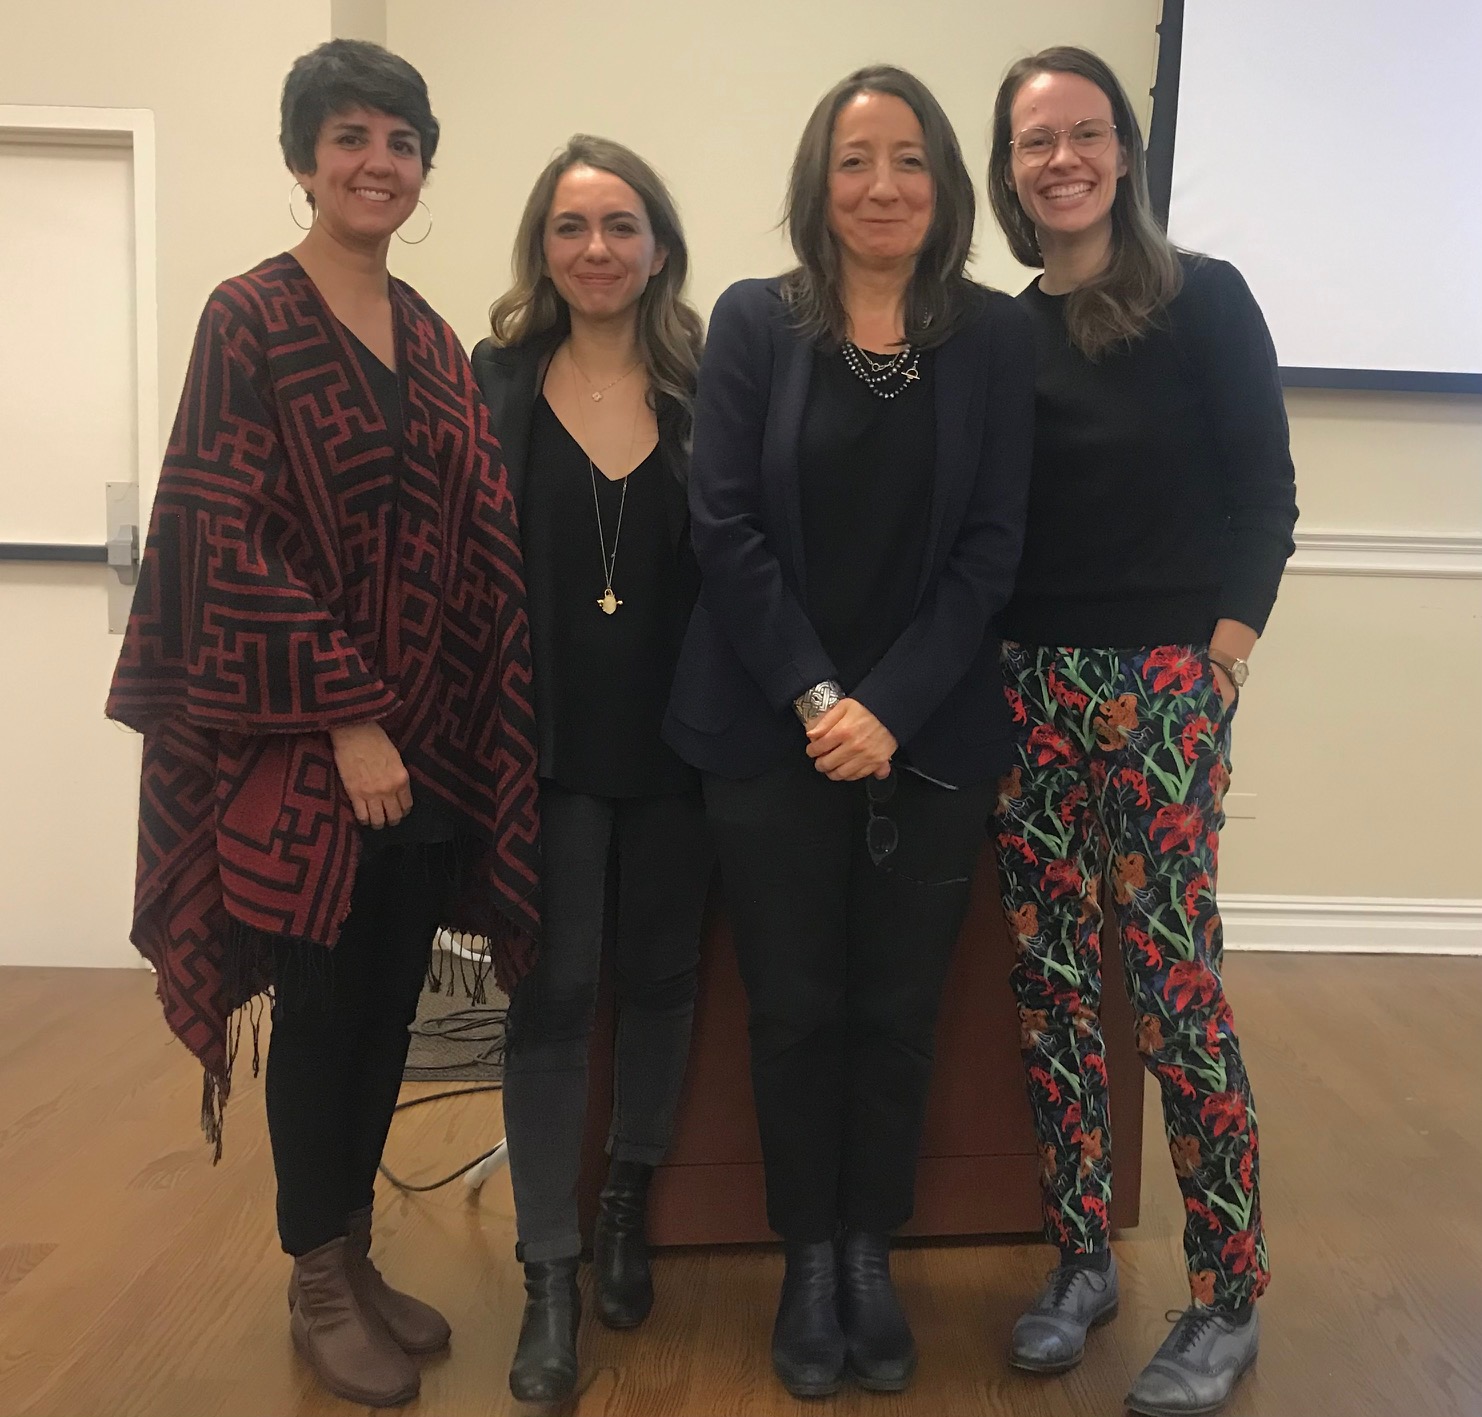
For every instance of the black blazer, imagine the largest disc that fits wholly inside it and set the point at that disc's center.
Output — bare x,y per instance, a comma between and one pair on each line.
750,649
511,377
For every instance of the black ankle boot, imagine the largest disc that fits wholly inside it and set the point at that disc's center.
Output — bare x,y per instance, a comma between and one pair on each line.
807,1341
882,1353
625,1289
544,1369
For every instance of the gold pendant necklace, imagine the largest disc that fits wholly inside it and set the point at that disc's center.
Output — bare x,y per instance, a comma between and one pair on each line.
608,601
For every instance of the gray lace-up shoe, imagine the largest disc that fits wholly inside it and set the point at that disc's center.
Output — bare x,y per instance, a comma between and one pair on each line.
1050,1336
1197,1366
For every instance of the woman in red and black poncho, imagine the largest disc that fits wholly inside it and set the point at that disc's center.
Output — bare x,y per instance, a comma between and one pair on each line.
329,660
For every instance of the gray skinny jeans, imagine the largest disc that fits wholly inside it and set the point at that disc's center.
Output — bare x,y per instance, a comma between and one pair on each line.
660,849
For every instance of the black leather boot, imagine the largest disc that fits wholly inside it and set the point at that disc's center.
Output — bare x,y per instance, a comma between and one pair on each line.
807,1340
882,1353
625,1288
544,1369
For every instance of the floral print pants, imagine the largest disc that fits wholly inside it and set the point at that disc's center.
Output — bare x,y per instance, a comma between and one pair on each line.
1123,765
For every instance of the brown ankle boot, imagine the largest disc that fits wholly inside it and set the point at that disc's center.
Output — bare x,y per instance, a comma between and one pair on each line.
349,1349
416,1327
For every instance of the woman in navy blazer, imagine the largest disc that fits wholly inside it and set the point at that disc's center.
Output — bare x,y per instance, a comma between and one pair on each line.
857,494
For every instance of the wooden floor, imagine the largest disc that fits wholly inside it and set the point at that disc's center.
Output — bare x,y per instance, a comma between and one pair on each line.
137,1280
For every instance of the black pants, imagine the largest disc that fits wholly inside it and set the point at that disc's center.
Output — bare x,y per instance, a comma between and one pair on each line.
661,848
339,1044
843,963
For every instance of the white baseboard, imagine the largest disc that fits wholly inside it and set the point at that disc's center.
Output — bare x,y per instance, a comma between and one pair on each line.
1352,924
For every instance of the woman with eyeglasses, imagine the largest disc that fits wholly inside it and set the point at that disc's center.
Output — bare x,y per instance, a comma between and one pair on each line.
862,445
1160,518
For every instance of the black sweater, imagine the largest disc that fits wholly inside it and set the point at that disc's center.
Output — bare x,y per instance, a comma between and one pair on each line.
1163,496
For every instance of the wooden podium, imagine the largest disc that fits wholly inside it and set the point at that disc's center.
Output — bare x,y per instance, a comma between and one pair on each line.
979,1168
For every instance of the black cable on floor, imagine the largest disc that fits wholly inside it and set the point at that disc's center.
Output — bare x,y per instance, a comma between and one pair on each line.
466,1026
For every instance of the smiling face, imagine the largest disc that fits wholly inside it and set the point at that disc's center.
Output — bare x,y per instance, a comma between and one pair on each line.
881,194
599,244
367,176
1071,195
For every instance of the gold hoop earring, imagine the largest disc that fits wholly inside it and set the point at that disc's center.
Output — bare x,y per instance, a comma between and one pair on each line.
423,237
294,214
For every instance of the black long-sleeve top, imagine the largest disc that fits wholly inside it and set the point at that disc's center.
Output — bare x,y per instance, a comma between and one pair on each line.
865,470
1163,495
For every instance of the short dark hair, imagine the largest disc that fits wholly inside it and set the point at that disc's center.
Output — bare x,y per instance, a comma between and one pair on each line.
344,74
940,294
1144,274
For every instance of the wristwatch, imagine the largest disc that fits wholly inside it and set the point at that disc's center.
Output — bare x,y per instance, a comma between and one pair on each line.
1237,669
817,700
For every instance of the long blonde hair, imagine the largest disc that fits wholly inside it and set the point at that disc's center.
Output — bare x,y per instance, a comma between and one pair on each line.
670,332
1144,273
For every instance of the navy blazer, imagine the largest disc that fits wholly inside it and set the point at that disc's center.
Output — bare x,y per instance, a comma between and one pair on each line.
750,649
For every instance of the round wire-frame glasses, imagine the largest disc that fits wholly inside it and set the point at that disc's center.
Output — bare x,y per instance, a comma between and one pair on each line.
1034,147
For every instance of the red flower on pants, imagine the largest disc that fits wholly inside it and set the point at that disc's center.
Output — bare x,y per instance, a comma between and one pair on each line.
1051,1087
1225,1112
1095,1063
1130,777
1188,740
1072,801
1191,891
1178,1078
1240,1251
1094,1205
1016,704
1197,1207
1247,1172
1175,665
1143,944
1180,823
1007,840
1048,746
1188,981
1064,695
1072,1121
1062,878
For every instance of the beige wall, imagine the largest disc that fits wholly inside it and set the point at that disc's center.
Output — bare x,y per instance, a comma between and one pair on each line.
1355,733
713,94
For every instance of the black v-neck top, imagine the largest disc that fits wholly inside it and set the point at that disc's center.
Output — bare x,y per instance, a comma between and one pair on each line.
604,679
428,821
865,469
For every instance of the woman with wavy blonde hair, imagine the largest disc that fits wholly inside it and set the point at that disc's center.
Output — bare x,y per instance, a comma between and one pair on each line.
590,375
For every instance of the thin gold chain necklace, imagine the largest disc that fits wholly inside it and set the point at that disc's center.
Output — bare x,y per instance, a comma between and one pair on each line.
596,392
608,601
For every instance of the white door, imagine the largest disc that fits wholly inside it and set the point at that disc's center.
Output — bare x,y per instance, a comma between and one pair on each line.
71,393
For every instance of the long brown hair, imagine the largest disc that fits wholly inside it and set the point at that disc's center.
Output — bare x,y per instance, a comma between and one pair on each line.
1144,273
670,331
940,294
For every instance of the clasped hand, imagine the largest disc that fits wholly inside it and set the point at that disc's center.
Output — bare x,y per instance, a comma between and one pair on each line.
848,743
373,774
